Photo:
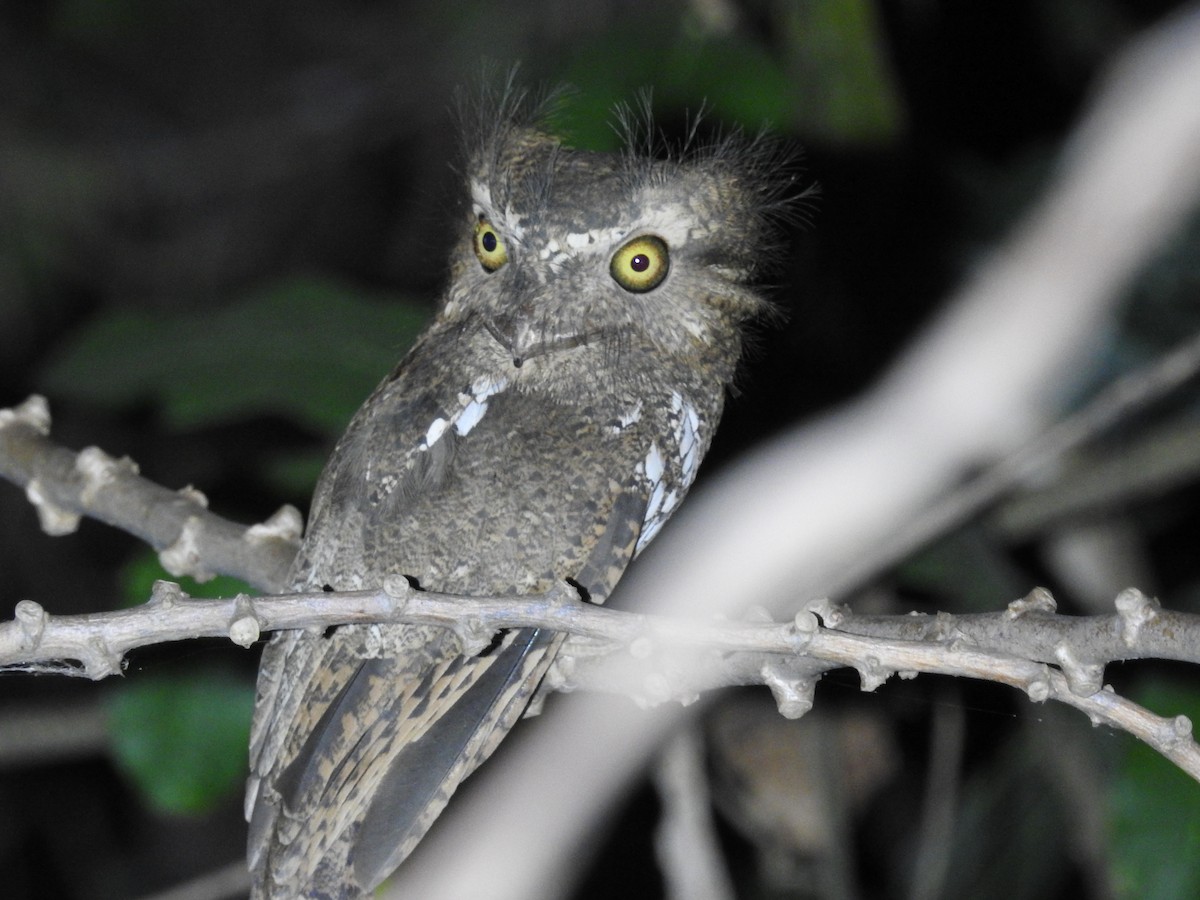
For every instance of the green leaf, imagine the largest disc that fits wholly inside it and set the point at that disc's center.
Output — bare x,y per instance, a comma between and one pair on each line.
831,78
739,79
182,741
689,66
843,83
307,349
1156,810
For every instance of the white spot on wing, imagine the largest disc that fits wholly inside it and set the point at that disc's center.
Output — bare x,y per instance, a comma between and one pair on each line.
436,429
654,464
470,416
663,502
485,387
653,468
474,403
654,506
687,433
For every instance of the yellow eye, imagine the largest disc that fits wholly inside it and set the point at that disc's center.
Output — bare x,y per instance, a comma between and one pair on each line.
488,247
642,264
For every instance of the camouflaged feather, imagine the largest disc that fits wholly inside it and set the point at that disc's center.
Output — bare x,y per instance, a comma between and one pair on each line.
543,428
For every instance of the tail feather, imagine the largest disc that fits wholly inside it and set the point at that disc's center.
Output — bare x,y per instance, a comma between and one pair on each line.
382,761
423,775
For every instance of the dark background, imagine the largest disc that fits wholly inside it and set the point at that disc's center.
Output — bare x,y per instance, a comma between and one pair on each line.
221,223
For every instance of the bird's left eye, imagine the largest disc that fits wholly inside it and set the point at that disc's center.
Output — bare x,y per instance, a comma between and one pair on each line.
641,264
489,248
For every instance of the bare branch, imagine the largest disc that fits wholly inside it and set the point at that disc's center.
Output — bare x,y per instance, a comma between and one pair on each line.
191,540
1026,647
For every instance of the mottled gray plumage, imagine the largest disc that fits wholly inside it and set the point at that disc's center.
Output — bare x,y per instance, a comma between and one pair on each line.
543,428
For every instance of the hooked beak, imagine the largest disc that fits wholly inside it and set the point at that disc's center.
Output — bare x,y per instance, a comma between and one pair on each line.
523,340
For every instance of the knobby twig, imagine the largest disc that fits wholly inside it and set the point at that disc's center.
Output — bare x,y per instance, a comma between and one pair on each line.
1026,647
64,486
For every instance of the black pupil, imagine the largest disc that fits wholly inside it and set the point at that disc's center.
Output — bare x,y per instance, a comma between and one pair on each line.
488,241
640,263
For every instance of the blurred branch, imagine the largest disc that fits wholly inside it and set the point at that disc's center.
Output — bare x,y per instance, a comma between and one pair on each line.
1155,460
938,817
232,880
686,844
37,737
1088,483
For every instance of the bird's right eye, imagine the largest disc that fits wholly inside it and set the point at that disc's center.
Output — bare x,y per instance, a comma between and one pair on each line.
489,249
